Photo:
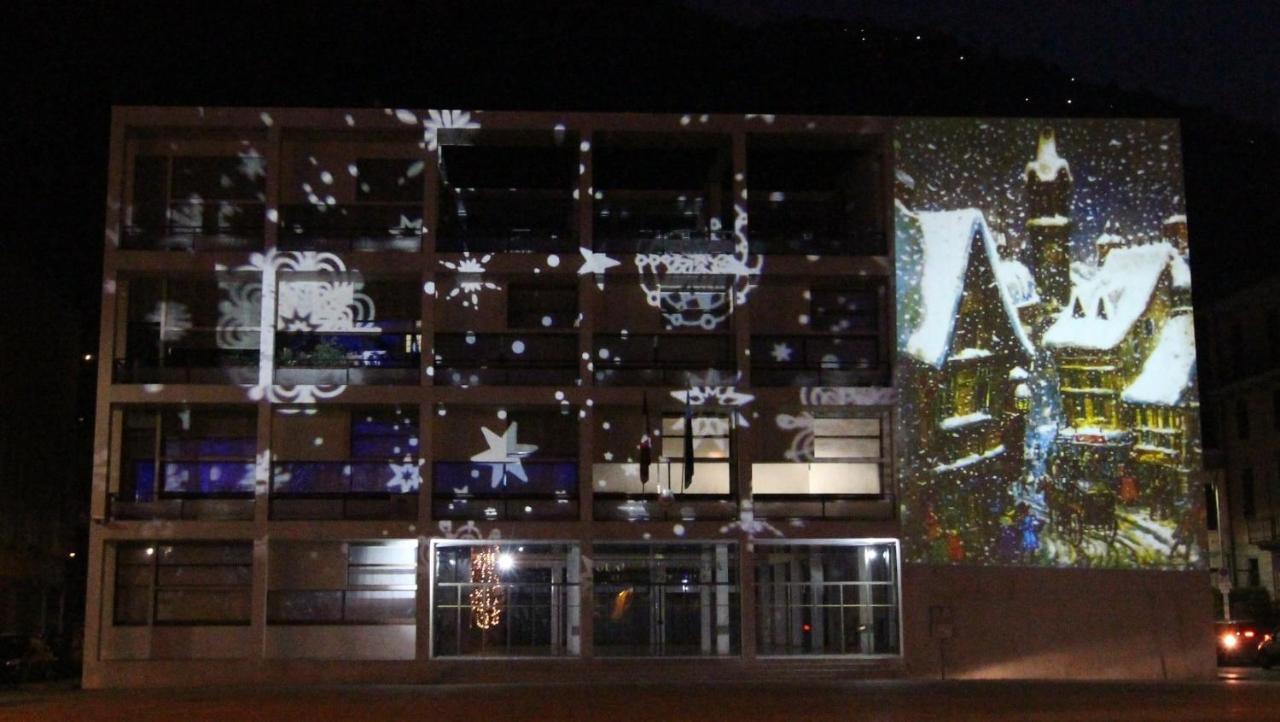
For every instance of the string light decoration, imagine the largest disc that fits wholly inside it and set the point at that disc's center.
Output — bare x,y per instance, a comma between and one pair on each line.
486,589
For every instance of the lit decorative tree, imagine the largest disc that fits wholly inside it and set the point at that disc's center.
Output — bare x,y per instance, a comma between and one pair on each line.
486,590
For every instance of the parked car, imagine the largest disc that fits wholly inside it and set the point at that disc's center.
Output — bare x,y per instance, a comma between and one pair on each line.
1269,649
24,658
1237,643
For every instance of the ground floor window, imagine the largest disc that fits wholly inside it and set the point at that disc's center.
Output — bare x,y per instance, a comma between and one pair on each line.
833,598
665,599
183,583
342,582
496,599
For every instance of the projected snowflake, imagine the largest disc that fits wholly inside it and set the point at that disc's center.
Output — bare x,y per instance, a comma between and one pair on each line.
438,120
470,282
716,396
173,318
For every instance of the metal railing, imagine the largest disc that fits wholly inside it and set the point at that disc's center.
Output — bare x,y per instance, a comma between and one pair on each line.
535,359
190,225
384,605
355,489
507,221
478,490
370,227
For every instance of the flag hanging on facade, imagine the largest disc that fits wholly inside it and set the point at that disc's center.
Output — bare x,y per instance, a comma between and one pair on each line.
688,442
646,446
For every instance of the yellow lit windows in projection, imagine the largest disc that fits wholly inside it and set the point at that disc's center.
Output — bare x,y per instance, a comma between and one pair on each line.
846,460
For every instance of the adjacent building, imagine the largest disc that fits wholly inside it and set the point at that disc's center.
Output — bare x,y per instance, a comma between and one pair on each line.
441,395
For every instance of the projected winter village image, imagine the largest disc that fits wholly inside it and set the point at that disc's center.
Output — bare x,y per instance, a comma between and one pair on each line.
1046,354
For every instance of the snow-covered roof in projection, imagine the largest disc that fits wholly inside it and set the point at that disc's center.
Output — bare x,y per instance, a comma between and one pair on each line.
1103,308
1019,282
1047,162
945,240
1169,371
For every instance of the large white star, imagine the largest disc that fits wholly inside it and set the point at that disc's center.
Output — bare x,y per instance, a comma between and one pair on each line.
593,262
781,352
504,454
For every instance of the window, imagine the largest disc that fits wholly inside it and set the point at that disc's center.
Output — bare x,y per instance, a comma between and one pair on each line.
1248,506
845,458
1242,419
187,453
390,179
1210,508
194,202
530,306
183,583
666,600
1254,573
712,470
506,599
343,583
827,599
845,310
968,393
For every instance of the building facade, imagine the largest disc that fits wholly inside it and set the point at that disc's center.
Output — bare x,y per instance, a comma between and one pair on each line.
1244,453
402,395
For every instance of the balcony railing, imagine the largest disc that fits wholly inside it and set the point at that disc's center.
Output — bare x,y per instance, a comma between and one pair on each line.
662,359
542,489
507,221
352,227
808,224
342,606
185,489
658,222
535,359
817,360
356,489
355,358
1264,532
201,226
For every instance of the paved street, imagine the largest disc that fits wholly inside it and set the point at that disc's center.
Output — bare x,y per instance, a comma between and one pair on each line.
883,701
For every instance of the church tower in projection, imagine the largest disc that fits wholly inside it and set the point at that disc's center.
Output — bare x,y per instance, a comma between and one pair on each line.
1049,183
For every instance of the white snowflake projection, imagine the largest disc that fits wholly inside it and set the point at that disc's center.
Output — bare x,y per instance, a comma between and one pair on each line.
252,165
470,281
438,120
782,352
801,448
324,299
405,478
504,455
173,318
748,524
665,280
717,396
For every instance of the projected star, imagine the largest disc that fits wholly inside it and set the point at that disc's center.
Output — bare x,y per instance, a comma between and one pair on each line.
404,478
504,454
781,353
593,262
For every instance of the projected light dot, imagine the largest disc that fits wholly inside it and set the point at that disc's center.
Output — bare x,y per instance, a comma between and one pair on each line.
517,347
678,529
553,260
546,321
502,413
559,396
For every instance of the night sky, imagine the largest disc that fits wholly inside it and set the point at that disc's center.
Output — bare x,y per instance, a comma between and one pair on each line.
1211,65
1127,174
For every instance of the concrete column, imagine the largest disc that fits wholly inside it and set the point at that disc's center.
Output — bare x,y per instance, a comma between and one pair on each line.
817,592
867,638
723,612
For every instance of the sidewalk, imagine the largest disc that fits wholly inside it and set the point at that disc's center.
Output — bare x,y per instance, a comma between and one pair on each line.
881,701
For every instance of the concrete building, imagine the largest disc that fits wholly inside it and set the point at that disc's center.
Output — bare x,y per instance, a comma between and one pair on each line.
438,395
1243,450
